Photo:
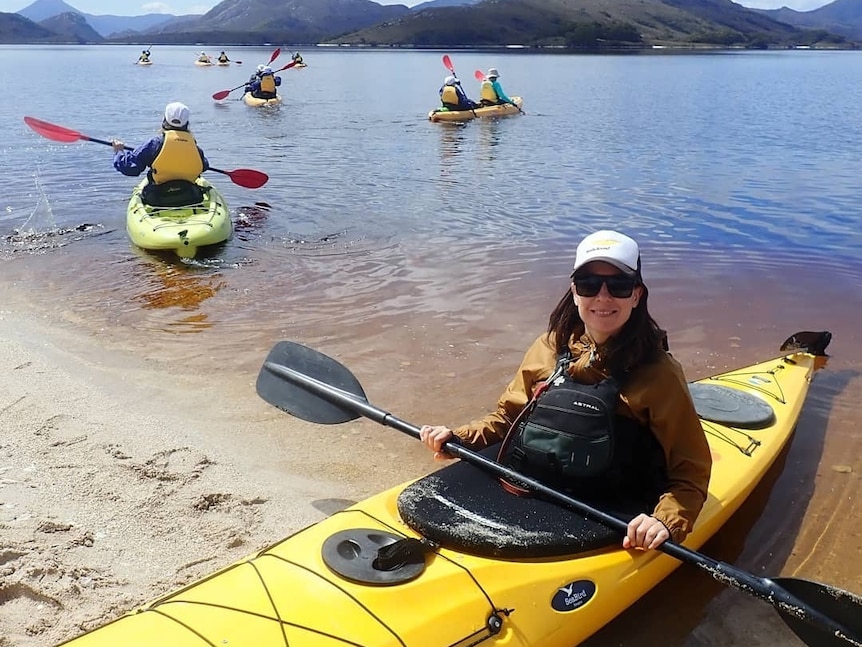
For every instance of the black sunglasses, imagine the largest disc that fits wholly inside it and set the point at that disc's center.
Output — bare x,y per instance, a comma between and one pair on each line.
620,286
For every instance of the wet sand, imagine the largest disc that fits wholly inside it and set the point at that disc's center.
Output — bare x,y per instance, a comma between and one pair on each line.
125,474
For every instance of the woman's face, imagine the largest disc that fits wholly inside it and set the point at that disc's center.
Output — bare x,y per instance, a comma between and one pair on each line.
603,314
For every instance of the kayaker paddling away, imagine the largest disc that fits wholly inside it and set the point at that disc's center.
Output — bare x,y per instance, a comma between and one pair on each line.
173,208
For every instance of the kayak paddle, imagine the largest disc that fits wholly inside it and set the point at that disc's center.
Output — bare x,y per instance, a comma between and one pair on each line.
317,388
245,177
222,94
148,53
447,63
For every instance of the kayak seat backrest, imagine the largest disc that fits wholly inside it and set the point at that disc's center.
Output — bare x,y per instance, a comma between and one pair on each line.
731,407
175,193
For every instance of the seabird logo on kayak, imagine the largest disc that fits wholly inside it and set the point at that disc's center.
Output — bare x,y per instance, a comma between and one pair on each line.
573,595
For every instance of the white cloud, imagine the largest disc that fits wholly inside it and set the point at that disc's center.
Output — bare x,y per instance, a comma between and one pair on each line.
156,7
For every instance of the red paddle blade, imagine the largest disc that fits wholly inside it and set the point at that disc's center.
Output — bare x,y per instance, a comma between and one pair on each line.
275,55
247,177
218,96
447,62
480,75
53,131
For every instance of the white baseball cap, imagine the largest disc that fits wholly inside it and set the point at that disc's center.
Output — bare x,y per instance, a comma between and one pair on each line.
177,114
611,247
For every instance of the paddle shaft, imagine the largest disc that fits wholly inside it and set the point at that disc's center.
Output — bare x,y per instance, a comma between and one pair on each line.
762,588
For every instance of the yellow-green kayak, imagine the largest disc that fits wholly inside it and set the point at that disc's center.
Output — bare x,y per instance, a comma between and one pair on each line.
468,563
184,229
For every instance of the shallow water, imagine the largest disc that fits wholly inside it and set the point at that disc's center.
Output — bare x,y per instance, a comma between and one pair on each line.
426,257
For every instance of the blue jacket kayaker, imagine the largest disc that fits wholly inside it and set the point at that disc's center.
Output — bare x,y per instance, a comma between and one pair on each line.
491,91
453,97
263,84
173,158
650,447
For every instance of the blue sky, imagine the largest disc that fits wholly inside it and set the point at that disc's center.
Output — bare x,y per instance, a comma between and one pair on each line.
179,7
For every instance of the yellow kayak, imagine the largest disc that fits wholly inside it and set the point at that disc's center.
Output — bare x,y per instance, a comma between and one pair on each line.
182,229
251,100
444,114
451,559
204,63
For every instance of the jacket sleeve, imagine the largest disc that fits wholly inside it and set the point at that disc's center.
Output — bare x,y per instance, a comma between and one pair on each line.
538,364
133,163
204,159
277,80
660,398
500,94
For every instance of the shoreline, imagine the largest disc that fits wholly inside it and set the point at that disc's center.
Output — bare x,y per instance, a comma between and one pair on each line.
117,485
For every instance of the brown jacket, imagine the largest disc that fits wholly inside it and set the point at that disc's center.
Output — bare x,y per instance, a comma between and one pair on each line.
655,394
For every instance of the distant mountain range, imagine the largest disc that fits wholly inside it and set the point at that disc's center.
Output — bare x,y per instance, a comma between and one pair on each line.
449,23
843,17
105,26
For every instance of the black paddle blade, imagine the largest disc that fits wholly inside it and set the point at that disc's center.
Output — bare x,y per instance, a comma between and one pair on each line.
808,341
842,607
284,377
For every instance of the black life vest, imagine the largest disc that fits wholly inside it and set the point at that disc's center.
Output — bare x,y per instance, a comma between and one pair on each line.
570,436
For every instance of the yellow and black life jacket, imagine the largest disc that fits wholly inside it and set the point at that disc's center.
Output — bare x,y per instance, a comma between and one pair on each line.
177,159
267,83
449,97
223,58
488,93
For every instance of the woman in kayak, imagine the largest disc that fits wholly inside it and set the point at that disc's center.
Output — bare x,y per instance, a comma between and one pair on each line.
598,407
222,58
174,160
144,57
491,92
453,97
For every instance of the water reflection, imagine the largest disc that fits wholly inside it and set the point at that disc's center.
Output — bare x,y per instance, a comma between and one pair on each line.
451,148
489,138
162,284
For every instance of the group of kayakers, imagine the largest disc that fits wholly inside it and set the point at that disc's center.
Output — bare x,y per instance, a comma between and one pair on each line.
453,96
598,406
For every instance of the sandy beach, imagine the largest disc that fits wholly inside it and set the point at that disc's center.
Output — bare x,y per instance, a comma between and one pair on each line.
116,485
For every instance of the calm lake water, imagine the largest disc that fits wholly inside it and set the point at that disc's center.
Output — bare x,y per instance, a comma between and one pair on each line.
422,252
